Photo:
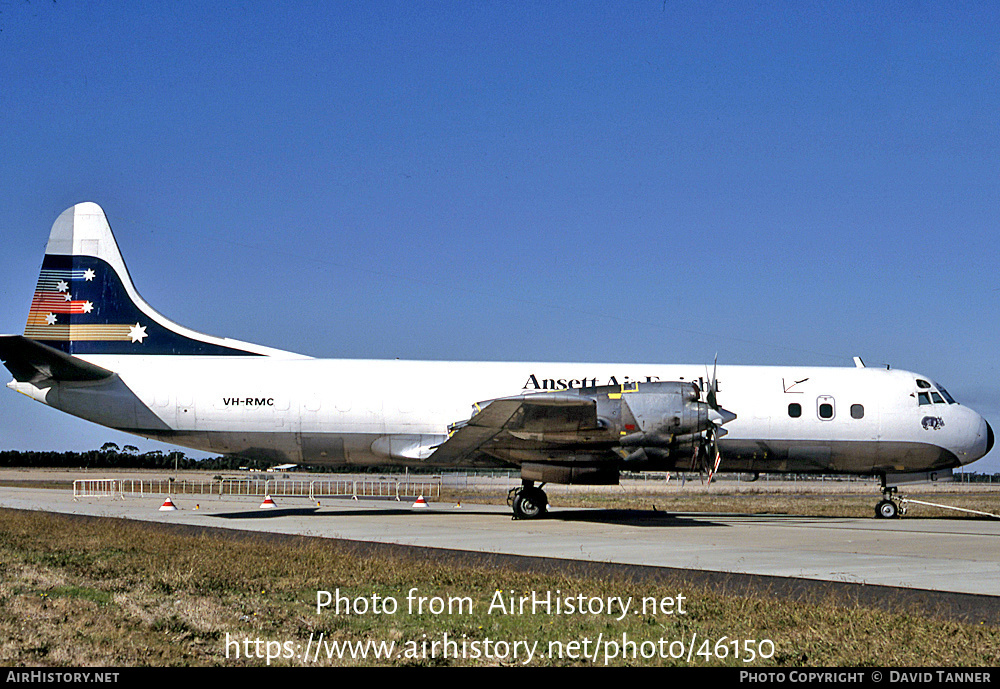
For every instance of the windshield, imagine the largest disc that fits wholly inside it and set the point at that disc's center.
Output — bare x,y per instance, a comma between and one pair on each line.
944,393
927,394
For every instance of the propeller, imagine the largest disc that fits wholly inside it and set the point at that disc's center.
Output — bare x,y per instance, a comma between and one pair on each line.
709,446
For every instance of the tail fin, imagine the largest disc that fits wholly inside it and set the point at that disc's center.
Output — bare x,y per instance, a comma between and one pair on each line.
85,302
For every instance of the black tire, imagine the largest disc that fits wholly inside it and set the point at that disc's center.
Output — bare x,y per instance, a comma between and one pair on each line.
530,503
886,509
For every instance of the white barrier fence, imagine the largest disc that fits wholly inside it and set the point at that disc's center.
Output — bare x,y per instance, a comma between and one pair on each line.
320,488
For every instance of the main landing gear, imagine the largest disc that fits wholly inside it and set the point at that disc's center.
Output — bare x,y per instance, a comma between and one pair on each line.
528,502
888,507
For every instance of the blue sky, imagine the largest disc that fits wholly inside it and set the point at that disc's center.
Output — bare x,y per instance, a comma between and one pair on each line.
578,181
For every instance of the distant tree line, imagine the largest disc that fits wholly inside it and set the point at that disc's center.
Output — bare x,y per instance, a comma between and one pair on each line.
110,456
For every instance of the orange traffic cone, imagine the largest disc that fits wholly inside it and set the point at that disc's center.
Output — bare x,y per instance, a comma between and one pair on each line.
168,505
420,502
268,503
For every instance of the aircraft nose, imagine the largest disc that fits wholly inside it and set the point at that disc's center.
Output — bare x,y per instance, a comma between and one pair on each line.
983,442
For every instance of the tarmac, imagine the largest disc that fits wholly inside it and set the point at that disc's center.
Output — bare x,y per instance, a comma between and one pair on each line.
946,555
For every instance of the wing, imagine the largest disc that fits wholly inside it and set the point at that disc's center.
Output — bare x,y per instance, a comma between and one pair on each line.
511,428
588,431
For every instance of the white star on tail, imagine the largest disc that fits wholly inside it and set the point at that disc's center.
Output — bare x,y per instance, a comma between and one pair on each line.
89,275
62,286
50,319
88,306
137,332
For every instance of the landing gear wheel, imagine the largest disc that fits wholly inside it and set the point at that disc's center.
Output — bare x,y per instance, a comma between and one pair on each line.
530,503
886,509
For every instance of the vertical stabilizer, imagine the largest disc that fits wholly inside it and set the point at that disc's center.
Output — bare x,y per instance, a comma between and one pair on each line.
85,302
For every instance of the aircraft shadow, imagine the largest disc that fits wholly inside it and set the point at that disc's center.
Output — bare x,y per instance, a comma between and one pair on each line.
253,513
645,518
269,514
658,518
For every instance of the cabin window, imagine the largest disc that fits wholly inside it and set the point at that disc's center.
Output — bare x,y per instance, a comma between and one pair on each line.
857,411
795,410
923,398
824,407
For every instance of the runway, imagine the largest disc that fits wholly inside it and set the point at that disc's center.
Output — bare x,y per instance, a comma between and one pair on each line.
948,555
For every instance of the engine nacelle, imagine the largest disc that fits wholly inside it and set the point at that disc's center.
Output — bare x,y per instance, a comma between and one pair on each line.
585,474
560,438
651,414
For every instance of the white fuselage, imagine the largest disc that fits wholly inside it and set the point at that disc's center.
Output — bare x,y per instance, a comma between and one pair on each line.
856,420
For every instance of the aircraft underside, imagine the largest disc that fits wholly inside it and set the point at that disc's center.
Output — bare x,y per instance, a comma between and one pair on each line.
530,501
753,456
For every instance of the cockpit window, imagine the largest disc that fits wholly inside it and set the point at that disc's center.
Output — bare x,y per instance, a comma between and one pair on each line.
931,395
951,400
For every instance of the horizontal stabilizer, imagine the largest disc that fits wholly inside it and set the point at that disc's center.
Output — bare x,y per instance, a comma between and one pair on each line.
30,362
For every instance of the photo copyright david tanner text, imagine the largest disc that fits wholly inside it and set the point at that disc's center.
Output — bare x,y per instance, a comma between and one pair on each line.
861,676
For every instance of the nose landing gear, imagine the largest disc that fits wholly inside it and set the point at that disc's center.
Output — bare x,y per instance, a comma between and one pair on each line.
888,507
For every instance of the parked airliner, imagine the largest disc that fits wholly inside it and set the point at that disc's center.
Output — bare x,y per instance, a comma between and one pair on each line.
95,349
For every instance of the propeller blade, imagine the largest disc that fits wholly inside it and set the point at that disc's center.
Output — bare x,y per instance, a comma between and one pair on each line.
716,457
710,393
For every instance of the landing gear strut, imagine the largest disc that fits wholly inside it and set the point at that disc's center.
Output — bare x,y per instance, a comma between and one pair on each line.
888,508
528,502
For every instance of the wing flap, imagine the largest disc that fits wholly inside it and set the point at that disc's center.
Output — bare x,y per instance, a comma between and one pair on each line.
513,419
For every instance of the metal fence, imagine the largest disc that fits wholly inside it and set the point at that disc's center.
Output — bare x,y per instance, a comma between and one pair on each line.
398,487
322,488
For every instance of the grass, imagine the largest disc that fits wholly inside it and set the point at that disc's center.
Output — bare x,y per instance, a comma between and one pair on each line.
804,499
113,592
